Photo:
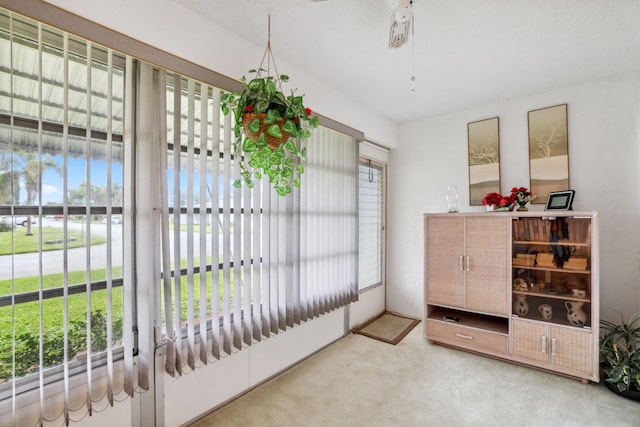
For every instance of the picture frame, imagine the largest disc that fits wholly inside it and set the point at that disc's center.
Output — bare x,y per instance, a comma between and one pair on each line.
560,200
548,151
484,158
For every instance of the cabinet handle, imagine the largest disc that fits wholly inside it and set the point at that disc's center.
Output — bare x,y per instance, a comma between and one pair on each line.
466,337
461,262
468,262
544,344
553,346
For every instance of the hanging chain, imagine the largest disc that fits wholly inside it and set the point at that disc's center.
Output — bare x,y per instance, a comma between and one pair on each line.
268,55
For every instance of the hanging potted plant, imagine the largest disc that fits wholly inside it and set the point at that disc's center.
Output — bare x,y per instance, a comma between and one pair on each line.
270,128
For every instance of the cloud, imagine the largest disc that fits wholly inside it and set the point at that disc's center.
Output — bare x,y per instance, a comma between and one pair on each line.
49,189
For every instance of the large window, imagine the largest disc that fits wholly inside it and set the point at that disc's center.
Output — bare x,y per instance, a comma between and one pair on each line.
242,264
118,215
61,205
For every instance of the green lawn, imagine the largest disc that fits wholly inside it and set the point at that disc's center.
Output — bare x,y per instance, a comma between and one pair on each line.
20,323
18,242
25,317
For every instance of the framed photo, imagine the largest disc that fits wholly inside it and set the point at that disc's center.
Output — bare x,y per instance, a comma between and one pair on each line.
548,151
560,200
484,159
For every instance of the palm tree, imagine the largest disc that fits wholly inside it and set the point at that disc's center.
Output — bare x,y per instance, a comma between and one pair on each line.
31,173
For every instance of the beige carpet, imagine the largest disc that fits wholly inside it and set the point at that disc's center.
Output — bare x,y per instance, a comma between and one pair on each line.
387,327
360,382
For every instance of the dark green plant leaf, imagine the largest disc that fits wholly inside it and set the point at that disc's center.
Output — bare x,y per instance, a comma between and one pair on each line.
256,84
270,85
290,147
237,183
296,182
299,169
275,131
249,145
270,117
254,126
304,133
289,126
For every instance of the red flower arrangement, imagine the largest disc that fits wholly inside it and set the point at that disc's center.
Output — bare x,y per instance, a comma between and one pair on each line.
497,199
521,196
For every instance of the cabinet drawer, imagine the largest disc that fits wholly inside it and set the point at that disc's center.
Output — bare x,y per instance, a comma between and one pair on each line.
470,338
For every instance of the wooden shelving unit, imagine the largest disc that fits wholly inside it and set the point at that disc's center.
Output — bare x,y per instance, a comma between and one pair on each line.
521,286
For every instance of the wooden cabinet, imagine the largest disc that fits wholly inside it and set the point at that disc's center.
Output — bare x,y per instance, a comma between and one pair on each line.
522,286
467,259
567,349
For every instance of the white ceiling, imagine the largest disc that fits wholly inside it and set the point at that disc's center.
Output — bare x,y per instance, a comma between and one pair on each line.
465,52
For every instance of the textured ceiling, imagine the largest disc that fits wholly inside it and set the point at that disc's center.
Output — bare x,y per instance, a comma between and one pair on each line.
464,52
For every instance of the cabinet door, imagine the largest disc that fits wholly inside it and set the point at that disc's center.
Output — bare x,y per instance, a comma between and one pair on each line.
571,349
445,262
529,340
487,264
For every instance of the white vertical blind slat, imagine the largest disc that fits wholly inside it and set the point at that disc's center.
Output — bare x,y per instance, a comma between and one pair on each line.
65,258
236,324
256,256
191,339
87,221
40,257
226,238
109,256
128,297
215,223
247,232
177,154
170,361
202,172
265,312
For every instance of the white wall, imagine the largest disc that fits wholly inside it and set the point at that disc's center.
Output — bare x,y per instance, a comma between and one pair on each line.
604,155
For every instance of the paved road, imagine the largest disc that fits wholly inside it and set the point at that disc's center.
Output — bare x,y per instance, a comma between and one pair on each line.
26,265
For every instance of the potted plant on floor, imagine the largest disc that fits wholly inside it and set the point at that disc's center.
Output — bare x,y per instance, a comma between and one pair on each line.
270,128
620,356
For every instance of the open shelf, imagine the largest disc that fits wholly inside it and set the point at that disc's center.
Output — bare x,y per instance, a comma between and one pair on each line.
497,325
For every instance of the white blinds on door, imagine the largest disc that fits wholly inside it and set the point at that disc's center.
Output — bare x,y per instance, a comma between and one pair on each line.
242,264
371,176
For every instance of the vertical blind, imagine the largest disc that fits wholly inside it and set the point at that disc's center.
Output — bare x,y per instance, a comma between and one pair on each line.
239,264
61,283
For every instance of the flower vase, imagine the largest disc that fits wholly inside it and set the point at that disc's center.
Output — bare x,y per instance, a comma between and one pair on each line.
522,206
452,199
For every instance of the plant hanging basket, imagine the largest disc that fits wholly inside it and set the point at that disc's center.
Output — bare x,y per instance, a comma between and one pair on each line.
272,141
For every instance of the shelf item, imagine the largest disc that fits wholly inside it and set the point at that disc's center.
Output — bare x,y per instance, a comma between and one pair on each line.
520,286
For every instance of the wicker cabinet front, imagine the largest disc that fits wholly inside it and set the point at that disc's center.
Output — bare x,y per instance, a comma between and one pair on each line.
467,263
520,286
